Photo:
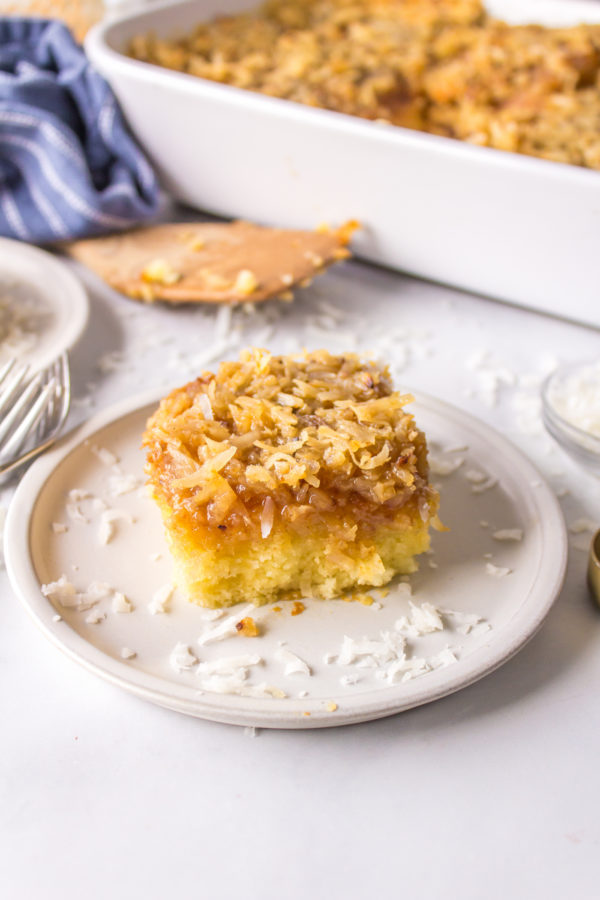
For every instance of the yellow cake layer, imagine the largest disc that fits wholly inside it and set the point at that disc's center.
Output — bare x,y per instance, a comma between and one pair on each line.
218,573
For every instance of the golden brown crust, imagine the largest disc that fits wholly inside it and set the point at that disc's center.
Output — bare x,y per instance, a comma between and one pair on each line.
308,441
441,66
210,263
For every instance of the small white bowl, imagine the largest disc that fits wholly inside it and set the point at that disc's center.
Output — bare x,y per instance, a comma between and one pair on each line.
48,298
582,446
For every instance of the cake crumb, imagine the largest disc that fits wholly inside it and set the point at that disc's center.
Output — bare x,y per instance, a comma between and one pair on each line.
331,706
365,599
247,627
245,283
160,271
297,608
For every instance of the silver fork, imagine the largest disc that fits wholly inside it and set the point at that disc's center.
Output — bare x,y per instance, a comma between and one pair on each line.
33,409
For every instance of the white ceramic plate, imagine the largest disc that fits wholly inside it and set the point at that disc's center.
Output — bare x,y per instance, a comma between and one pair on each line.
467,573
43,307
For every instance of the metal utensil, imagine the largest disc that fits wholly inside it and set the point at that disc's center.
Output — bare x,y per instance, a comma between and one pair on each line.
33,409
593,573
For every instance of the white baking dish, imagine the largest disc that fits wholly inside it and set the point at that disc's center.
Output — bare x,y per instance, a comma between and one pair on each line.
511,227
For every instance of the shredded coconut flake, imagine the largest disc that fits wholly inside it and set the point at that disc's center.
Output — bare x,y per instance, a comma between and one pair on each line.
95,617
497,571
232,665
206,408
122,484
439,466
293,665
106,457
95,592
211,615
74,513
61,591
475,476
181,658
508,534
484,486
76,495
161,600
121,604
226,628
423,619
267,517
445,658
262,690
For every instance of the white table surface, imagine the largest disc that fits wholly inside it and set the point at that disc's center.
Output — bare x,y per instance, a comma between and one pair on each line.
491,793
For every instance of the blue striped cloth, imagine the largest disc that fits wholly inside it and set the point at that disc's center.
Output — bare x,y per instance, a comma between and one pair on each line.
68,165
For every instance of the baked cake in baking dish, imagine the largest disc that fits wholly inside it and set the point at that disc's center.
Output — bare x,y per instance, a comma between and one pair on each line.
288,476
441,66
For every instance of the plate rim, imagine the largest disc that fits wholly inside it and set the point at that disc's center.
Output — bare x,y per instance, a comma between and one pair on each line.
69,284
288,712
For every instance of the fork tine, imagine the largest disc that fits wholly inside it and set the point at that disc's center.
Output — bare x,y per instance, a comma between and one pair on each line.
29,421
6,368
65,381
16,411
47,418
36,427
12,384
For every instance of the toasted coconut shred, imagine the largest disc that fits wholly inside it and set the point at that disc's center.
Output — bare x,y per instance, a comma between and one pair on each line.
446,67
293,438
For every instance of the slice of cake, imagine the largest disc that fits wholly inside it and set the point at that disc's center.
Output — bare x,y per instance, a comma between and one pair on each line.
289,476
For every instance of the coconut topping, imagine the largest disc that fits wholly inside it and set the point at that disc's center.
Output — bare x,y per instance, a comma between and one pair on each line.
300,431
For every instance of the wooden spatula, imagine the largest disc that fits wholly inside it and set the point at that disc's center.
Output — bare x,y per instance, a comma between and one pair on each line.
211,263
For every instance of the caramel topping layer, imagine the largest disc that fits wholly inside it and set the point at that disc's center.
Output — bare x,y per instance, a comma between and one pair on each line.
304,439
